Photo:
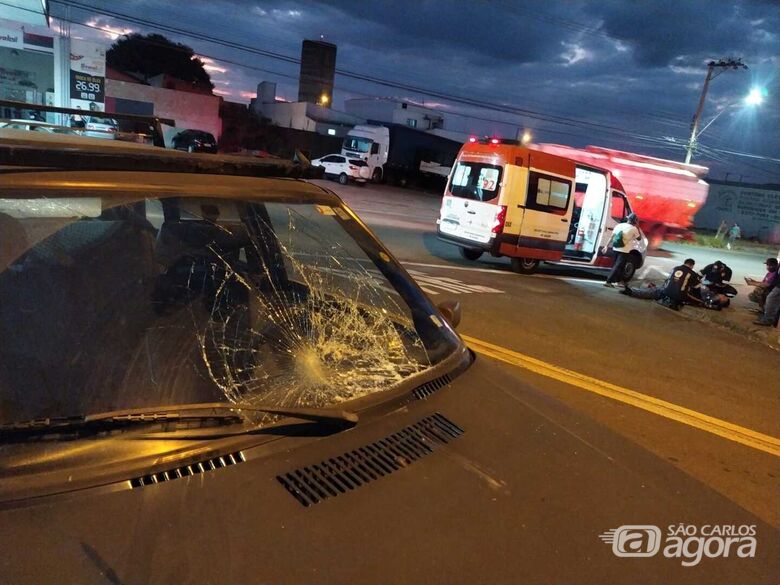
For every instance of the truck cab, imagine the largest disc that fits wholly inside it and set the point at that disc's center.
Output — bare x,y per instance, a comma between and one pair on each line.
532,206
368,143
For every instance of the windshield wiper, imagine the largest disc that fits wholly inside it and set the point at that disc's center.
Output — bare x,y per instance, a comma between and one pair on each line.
181,413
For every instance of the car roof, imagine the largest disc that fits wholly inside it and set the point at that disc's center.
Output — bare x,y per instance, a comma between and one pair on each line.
30,122
23,149
155,184
11,138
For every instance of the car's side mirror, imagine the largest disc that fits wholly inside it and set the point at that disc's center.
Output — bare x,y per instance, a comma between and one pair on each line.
450,310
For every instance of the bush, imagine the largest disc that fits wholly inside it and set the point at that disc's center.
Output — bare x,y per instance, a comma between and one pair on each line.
709,241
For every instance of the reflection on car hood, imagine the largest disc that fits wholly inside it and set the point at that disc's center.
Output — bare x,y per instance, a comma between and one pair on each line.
520,494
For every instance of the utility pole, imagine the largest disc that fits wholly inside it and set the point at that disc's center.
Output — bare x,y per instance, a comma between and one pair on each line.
712,66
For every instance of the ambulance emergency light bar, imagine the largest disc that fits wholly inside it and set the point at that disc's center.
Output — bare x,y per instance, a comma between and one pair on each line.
493,140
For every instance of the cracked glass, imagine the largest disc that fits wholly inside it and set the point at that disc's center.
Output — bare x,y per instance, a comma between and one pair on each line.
113,302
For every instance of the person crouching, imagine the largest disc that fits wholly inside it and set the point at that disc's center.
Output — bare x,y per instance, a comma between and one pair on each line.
678,289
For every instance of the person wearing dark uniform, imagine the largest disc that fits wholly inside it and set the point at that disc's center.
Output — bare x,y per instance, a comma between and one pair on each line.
676,291
715,290
716,273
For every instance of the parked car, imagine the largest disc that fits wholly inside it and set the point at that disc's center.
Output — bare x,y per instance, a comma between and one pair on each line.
195,141
343,169
98,127
35,126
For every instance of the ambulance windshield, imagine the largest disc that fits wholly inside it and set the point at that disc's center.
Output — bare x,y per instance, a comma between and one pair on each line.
475,181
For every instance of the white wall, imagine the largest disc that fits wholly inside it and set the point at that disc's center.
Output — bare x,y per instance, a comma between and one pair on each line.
371,109
391,112
756,210
454,126
286,114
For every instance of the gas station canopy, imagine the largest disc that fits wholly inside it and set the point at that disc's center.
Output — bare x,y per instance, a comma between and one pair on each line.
27,11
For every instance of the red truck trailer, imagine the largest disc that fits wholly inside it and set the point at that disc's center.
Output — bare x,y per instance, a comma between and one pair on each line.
664,194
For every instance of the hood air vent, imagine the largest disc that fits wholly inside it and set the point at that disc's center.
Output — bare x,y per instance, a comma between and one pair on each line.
186,470
332,477
422,392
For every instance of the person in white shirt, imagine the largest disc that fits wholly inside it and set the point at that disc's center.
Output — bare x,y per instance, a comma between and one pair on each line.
622,246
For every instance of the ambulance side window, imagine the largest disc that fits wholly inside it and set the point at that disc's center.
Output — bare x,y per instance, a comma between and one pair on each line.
619,211
548,193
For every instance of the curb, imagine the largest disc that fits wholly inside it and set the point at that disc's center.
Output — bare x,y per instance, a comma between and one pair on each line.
767,336
724,319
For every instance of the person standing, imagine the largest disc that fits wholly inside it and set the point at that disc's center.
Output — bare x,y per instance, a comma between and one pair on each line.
734,234
77,120
722,229
623,238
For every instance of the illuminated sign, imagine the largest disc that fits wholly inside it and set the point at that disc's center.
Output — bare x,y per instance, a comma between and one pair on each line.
87,87
87,75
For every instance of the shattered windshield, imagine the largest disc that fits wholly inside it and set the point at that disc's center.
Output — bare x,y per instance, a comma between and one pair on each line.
114,302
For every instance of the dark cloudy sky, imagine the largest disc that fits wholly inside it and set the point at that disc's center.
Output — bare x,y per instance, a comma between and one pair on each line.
637,66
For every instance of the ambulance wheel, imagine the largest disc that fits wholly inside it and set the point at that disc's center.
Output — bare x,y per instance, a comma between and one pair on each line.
470,253
632,263
343,179
524,265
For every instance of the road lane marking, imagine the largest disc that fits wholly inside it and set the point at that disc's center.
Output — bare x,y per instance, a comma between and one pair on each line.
466,268
596,279
710,424
432,285
427,281
652,268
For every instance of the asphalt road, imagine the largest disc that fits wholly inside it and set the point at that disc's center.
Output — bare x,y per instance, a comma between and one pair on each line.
702,398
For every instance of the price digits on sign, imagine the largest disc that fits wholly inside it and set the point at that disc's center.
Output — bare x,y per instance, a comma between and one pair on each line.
88,86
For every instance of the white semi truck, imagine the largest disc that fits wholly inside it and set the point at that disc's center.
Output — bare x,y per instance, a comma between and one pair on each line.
399,154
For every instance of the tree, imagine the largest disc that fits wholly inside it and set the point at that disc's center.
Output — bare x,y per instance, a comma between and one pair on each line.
153,54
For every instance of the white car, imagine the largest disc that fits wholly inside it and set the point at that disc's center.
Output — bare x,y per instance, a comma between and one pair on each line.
96,127
35,126
343,168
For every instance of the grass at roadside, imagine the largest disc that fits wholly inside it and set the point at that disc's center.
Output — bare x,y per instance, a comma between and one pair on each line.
709,240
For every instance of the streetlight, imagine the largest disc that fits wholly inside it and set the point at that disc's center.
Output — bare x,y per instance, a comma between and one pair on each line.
526,137
754,98
712,66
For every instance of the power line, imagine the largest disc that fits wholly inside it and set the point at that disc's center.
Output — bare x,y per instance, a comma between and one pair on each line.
716,155
561,120
746,154
625,136
295,78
